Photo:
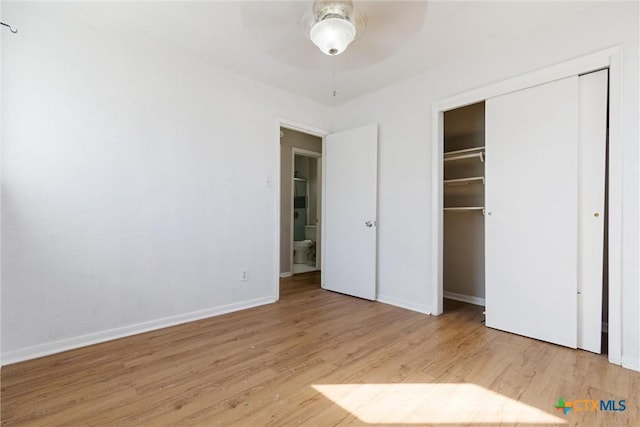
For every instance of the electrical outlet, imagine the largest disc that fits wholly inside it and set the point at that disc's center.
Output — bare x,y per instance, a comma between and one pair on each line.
244,275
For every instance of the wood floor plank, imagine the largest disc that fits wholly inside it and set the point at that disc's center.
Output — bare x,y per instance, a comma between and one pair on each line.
284,365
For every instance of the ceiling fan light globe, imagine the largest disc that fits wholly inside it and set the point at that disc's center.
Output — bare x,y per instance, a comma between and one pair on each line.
333,35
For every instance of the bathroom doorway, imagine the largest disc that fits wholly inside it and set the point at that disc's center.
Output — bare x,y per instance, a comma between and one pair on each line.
306,211
301,198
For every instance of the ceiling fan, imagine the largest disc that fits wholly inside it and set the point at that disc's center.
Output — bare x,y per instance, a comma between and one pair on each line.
282,30
332,25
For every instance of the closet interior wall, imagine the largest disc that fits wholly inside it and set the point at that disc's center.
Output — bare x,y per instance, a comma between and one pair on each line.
463,256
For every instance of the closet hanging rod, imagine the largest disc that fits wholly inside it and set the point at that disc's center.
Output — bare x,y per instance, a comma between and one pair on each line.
9,27
466,208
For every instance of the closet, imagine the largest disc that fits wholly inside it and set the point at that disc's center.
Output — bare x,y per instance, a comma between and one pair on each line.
463,185
524,209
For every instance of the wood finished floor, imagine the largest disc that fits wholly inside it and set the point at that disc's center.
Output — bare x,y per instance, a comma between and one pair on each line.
264,366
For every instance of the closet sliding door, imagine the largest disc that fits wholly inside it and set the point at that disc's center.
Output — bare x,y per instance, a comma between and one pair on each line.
592,159
531,223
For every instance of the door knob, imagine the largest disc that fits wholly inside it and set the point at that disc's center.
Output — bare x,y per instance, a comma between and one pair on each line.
597,214
369,224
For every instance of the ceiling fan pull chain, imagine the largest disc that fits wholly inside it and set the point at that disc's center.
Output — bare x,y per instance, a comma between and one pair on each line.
333,75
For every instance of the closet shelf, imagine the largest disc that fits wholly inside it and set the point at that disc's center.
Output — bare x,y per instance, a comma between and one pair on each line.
465,208
451,157
465,181
466,150
467,153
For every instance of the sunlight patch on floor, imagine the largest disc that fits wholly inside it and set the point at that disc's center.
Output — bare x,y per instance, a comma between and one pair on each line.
432,403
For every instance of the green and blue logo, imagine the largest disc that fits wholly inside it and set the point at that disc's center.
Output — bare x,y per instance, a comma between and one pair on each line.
563,406
590,405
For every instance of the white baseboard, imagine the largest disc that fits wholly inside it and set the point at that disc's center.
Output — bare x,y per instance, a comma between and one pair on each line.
286,274
464,298
631,362
46,349
409,305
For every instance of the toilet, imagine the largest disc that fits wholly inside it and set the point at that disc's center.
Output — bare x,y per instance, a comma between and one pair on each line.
301,248
301,251
310,232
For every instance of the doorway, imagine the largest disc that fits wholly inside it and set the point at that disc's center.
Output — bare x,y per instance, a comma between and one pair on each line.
300,201
348,224
463,189
306,213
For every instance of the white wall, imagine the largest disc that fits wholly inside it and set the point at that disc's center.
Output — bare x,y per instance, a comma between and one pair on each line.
131,174
1,162
131,178
403,112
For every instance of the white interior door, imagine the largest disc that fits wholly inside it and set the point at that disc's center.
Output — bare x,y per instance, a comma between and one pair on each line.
350,207
531,207
320,222
591,190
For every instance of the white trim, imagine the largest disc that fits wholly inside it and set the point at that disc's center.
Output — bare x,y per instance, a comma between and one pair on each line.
320,220
307,153
287,124
300,127
323,212
286,274
437,206
581,65
397,302
611,58
125,331
630,362
276,220
464,298
615,208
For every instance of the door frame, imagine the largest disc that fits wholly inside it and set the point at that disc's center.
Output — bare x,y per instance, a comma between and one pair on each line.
299,127
315,155
609,58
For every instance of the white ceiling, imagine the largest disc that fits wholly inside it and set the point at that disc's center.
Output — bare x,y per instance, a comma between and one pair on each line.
264,40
